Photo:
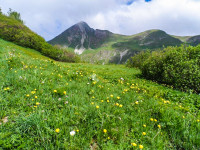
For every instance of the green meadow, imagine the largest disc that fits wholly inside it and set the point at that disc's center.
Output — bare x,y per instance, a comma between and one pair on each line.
45,104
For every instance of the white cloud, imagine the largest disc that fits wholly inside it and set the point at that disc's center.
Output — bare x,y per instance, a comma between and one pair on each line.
51,17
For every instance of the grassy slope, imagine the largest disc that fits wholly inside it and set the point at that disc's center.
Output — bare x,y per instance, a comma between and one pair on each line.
33,105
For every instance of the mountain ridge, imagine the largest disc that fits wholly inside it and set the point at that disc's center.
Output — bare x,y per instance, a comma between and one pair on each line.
94,44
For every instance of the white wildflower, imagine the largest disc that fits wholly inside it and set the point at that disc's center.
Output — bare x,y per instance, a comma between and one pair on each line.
72,133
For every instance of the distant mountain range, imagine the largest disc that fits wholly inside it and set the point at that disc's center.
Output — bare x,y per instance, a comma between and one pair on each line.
103,46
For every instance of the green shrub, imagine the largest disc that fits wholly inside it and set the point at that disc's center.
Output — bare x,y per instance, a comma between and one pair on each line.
177,66
152,67
137,60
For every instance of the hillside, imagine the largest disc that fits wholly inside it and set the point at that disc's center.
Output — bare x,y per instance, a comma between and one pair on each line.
54,105
15,31
101,46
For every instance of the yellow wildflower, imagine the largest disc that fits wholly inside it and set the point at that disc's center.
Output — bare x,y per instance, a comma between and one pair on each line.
141,146
97,107
144,133
55,91
37,103
64,92
104,130
33,92
133,144
57,130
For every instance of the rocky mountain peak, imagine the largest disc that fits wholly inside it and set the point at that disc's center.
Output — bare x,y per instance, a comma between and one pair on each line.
82,23
83,26
81,36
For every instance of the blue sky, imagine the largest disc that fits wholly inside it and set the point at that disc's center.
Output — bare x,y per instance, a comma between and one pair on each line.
51,17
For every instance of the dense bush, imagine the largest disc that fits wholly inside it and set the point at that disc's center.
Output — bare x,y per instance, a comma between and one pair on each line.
138,59
177,66
13,30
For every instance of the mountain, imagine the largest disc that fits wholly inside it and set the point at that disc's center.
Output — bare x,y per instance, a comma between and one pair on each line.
150,39
80,36
102,46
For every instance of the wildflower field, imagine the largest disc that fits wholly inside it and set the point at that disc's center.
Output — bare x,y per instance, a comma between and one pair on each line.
46,104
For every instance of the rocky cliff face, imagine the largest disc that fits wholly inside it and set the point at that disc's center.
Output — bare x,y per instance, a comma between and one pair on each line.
80,37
